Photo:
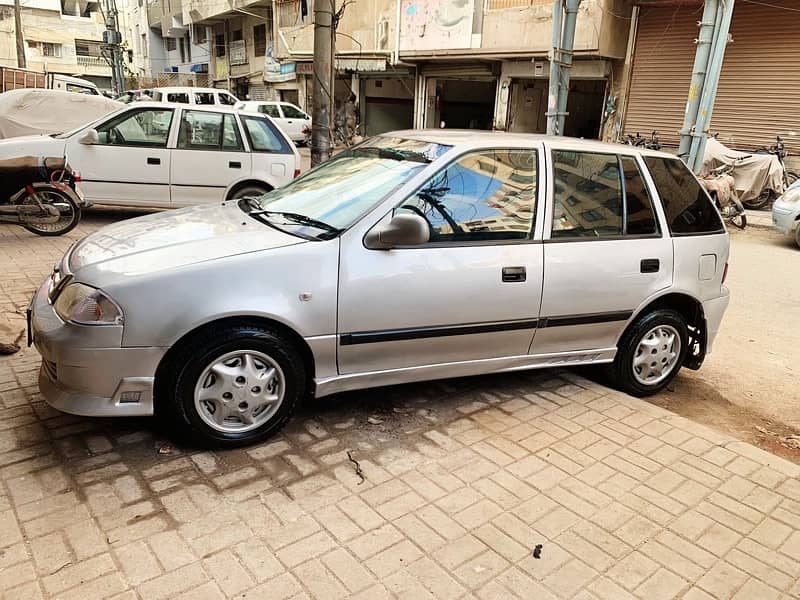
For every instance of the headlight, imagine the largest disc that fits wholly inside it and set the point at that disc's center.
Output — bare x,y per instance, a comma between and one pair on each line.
86,305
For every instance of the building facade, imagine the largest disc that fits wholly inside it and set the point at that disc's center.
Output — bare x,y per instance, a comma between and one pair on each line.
60,37
757,97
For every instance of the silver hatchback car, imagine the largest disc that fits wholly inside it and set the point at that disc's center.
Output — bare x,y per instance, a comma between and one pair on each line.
414,256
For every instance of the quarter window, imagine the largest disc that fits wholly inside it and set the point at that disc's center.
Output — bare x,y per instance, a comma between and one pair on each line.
227,99
485,196
689,209
148,128
202,130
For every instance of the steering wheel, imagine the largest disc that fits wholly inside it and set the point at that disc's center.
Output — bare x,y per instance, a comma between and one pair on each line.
115,137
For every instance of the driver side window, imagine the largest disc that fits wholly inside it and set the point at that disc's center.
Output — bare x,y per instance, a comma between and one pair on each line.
484,196
145,128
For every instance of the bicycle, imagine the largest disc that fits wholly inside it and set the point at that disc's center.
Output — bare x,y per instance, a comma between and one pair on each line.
767,196
641,142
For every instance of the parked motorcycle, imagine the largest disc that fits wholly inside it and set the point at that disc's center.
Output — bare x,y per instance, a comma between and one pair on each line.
720,183
40,195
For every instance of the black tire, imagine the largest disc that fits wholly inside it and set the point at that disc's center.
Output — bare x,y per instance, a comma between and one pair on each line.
797,236
71,213
791,177
252,191
621,371
739,221
175,393
763,200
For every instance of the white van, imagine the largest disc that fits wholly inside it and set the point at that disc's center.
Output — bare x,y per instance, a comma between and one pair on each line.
193,95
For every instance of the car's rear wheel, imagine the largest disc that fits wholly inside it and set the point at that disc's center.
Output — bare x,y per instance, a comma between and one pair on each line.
234,385
651,352
248,191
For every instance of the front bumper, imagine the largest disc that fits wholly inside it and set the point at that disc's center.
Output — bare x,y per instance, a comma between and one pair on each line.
84,370
714,309
784,216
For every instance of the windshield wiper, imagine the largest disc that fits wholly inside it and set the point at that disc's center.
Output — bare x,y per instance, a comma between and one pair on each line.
298,218
394,154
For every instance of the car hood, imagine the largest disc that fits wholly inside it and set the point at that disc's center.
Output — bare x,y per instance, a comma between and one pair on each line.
174,239
31,145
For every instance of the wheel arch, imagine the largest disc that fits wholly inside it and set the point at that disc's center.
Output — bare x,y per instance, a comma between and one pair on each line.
245,183
188,338
692,311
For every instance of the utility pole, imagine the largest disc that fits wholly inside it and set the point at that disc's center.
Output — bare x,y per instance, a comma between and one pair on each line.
323,94
21,61
564,22
112,47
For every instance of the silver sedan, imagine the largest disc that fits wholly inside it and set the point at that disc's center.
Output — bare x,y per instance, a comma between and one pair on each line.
413,256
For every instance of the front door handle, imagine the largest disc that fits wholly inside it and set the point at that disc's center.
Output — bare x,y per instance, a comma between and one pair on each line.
235,164
650,265
153,161
514,274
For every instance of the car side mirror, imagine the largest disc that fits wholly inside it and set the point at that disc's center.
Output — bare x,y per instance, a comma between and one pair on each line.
89,138
403,229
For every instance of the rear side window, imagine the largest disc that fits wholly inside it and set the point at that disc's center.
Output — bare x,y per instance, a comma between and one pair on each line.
269,109
179,97
588,195
599,196
689,209
290,112
263,137
203,98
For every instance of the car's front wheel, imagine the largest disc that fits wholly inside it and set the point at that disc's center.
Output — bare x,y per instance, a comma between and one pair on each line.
234,385
249,191
651,352
797,235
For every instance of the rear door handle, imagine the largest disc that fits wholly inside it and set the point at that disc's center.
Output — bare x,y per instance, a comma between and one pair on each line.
153,161
514,274
650,265
235,164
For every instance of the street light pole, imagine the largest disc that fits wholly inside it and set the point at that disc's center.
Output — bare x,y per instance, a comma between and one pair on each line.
21,60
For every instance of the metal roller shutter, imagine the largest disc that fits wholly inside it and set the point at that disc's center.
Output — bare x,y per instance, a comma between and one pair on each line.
759,90
467,71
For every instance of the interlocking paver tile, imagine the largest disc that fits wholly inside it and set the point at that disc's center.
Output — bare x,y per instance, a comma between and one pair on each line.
463,479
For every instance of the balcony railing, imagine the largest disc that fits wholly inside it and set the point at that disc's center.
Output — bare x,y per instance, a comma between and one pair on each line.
92,61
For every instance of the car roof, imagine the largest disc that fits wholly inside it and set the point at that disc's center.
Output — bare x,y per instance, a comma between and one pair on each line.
475,138
180,88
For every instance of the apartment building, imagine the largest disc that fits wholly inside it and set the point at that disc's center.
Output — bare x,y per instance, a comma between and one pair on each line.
61,36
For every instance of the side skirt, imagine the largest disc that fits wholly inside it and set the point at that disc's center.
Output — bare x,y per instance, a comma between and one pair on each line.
356,381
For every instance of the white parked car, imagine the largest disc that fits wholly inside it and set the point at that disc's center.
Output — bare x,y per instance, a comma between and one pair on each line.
416,255
151,154
290,118
189,95
786,212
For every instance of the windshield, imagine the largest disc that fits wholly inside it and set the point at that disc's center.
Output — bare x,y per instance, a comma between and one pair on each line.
331,197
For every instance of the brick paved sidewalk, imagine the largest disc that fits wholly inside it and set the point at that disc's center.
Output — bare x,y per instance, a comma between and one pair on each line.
462,480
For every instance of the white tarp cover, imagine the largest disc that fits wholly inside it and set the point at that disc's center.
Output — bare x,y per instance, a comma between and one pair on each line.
753,172
34,111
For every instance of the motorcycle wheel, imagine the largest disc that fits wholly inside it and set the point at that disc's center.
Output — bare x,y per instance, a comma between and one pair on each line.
760,202
70,213
739,221
791,177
